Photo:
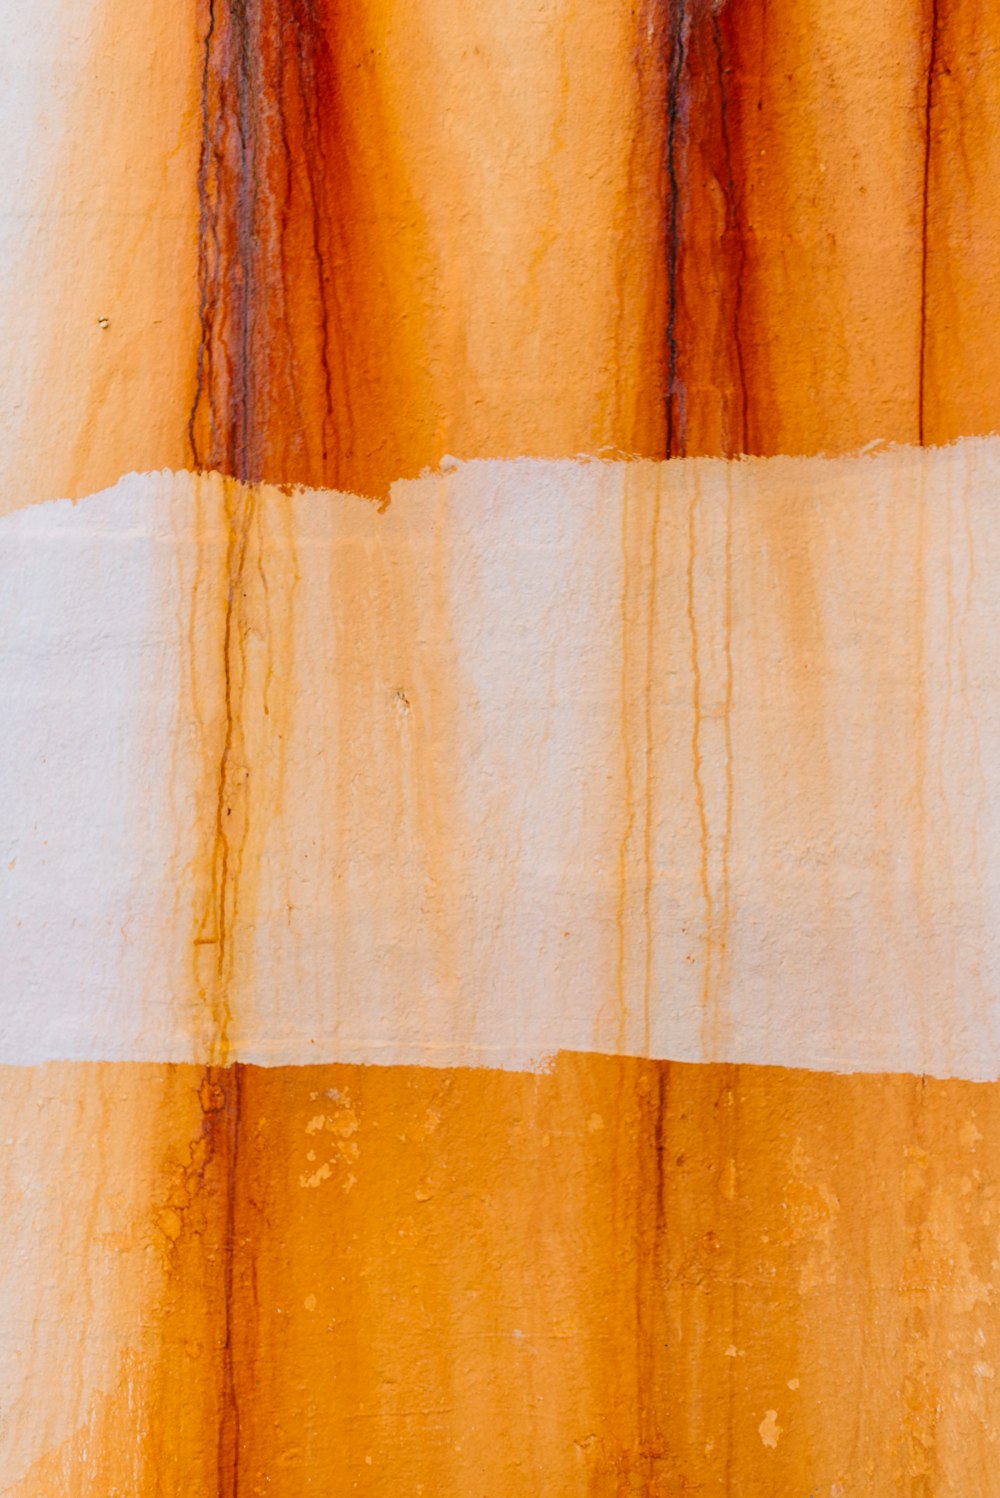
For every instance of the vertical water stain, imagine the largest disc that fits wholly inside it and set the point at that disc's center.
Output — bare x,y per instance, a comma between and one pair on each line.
960,364
380,283
303,342
239,642
804,163
933,30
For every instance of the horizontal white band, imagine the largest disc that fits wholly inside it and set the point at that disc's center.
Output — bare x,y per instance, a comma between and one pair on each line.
700,759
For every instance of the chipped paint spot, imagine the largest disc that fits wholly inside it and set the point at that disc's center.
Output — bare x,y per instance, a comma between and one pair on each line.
769,1429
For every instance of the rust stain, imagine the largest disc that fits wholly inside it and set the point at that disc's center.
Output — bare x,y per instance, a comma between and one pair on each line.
961,288
805,173
231,813
334,260
701,807
933,32
631,1262
638,692
726,191
102,331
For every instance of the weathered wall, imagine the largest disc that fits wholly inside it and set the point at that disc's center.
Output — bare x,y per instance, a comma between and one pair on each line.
500,957
694,760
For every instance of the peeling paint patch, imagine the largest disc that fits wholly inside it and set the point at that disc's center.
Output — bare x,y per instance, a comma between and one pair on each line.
770,847
769,1429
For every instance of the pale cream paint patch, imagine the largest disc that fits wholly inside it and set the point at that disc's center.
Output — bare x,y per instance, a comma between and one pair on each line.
699,759
769,1429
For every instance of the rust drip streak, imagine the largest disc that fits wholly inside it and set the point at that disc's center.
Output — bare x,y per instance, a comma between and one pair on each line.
222,1084
729,1135
243,413
629,776
314,160
229,1417
648,809
230,795
925,219
286,202
675,428
225,392
727,715
734,227
652,1271
205,225
699,784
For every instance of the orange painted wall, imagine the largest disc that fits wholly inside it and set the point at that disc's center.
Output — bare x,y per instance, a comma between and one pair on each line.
618,1276
687,229
333,242
325,242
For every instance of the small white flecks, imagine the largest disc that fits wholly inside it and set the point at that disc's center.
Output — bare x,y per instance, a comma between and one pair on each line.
984,1370
793,1383
323,1174
310,1302
595,1123
769,1428
730,1351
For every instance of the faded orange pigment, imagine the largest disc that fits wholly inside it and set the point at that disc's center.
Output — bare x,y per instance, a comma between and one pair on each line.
423,236
330,243
618,1276
690,230
832,174
100,325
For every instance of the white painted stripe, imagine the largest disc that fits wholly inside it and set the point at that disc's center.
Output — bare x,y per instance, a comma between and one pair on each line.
470,819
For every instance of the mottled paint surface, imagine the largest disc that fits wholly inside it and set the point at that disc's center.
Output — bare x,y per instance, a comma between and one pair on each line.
617,1276
500,974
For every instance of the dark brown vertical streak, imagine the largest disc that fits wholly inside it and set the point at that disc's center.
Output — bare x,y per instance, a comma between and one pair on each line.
925,217
228,189
205,227
729,1135
230,1083
734,226
674,396
648,1216
243,408
223,864
283,70
314,160
227,251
